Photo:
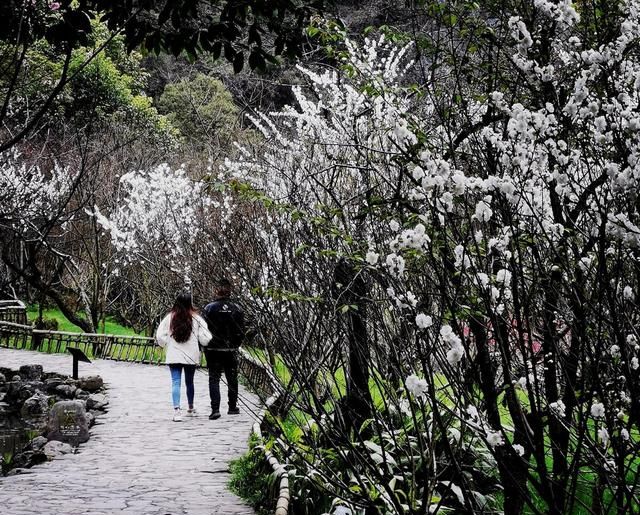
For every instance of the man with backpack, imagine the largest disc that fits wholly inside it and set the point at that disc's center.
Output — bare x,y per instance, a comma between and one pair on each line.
226,323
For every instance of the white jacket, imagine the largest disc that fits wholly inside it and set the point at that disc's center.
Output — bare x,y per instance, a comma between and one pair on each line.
186,353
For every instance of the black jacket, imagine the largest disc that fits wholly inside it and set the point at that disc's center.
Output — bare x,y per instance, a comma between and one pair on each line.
226,323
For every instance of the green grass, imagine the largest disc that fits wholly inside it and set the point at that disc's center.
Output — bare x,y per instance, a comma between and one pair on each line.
110,326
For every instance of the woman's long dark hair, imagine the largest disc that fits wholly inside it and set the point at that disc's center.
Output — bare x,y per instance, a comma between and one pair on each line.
182,318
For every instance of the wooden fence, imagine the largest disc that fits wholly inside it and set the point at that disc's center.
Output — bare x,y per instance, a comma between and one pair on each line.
16,333
13,311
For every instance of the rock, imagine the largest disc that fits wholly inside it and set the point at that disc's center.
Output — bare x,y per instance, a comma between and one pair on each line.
52,383
91,418
28,459
18,392
91,383
38,443
97,402
66,390
31,372
35,406
68,423
55,448
3,378
81,394
16,378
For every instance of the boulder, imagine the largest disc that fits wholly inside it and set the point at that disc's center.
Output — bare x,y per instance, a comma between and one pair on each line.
97,402
38,443
3,378
31,372
91,383
54,448
66,390
28,459
52,383
35,406
68,423
16,378
81,394
18,392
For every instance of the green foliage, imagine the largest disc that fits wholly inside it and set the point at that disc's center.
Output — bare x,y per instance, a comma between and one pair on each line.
99,87
253,480
201,108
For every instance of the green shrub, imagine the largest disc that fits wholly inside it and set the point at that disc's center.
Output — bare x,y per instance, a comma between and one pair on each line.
48,324
253,479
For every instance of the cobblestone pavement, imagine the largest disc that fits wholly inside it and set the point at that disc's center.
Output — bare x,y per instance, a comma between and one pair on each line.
138,460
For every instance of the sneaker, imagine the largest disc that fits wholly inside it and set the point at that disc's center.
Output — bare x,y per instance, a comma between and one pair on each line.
191,412
177,415
214,415
234,411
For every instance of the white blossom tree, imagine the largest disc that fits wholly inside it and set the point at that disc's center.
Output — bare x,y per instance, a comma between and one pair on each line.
449,272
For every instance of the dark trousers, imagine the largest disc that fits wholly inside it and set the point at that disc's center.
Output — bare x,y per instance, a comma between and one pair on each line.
227,362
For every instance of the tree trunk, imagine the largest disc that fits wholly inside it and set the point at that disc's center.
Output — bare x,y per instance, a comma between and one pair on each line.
349,291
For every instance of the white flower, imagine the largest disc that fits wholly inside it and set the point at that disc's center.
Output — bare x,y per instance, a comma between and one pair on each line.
624,434
483,211
522,382
503,277
472,411
423,321
634,363
404,406
494,439
519,449
394,225
372,257
448,336
614,350
416,386
395,264
454,355
483,279
597,410
603,435
628,294
558,408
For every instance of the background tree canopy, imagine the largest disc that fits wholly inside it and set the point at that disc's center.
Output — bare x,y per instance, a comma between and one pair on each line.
230,28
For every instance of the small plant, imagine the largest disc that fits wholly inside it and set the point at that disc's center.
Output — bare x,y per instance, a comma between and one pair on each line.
253,480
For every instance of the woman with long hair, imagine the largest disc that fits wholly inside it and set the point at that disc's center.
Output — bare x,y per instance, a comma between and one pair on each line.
181,333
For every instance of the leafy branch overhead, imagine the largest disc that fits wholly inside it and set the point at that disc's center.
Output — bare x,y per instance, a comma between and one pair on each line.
234,29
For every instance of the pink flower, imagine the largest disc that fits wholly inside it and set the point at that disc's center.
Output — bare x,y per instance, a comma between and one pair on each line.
54,6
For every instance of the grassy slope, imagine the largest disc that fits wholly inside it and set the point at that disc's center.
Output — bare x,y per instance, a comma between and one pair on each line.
110,327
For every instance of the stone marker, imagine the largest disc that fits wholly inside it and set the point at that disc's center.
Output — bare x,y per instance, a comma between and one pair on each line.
68,423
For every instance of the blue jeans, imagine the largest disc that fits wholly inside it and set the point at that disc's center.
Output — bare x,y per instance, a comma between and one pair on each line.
176,377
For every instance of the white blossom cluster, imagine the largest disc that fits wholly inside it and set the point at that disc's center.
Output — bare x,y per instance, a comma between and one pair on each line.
157,212
29,195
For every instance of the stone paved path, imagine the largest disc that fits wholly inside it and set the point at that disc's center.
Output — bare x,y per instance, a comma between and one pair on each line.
137,461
